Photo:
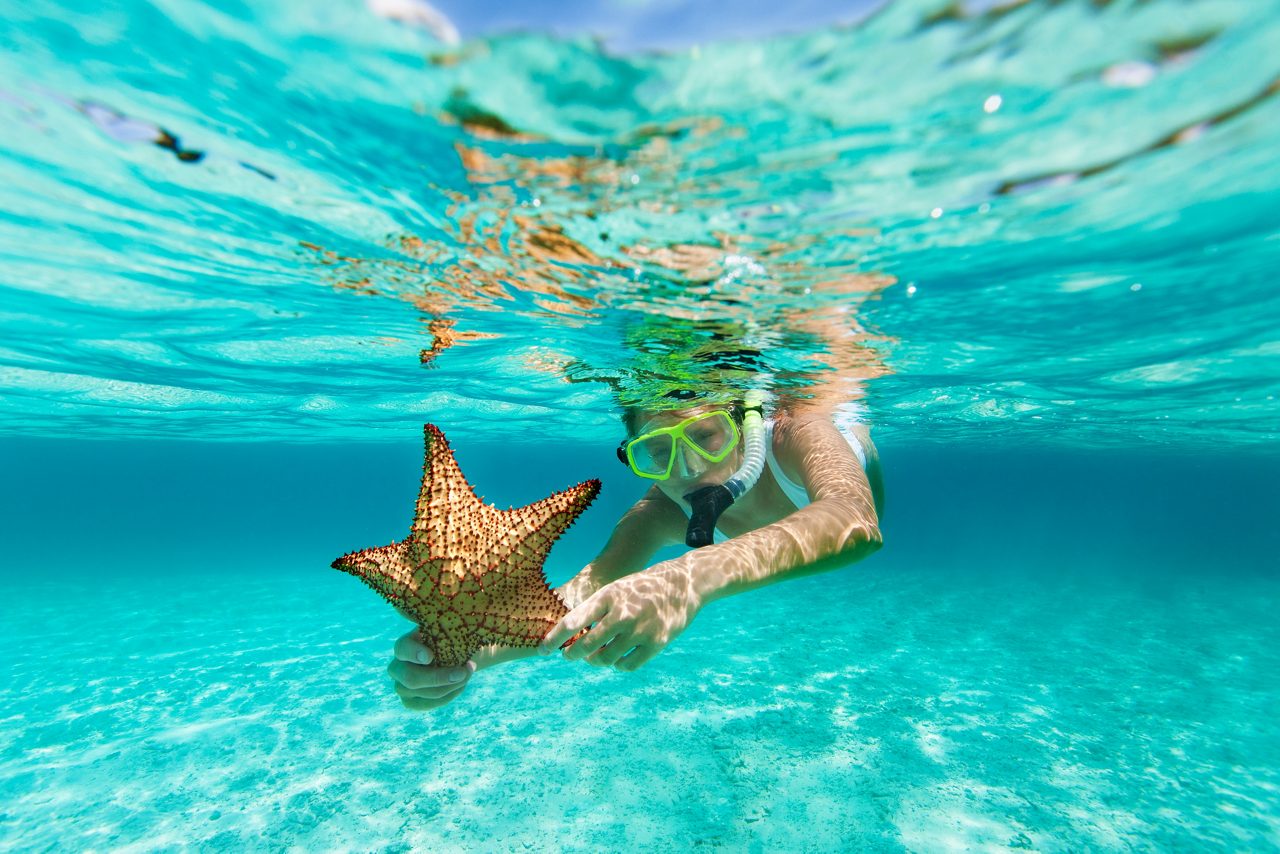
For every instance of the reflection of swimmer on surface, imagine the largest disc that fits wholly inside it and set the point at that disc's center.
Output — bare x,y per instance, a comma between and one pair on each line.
123,128
758,500
515,246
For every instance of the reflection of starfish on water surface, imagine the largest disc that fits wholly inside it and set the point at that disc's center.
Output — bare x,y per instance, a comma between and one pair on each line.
470,574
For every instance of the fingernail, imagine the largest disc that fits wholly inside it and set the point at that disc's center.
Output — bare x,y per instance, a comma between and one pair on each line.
457,675
422,656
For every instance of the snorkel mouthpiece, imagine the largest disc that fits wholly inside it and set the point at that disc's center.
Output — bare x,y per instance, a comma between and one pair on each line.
706,504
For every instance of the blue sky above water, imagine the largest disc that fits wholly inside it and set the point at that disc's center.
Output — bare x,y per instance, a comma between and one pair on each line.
631,25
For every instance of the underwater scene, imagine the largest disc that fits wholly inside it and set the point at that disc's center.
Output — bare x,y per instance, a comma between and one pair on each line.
870,412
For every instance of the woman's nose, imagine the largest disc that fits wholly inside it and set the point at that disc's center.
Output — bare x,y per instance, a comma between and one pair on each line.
689,462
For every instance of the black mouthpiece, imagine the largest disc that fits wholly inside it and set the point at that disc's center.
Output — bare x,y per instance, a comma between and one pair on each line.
706,505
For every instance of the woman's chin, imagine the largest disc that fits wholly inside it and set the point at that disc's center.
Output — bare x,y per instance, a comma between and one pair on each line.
693,485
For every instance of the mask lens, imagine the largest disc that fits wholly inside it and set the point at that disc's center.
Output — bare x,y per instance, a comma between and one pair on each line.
712,433
652,455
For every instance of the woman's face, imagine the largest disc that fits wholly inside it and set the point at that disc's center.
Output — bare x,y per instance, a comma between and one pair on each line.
690,470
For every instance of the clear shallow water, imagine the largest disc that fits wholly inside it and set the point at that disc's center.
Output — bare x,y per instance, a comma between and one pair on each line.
1038,245
1031,663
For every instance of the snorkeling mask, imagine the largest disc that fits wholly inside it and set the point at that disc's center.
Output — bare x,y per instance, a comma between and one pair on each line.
711,436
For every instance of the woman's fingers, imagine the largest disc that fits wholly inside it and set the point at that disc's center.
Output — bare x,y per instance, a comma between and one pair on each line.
428,681
593,644
637,658
411,648
590,611
423,693
418,683
424,704
611,652
593,641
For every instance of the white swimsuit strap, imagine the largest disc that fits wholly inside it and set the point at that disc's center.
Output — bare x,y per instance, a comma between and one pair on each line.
796,492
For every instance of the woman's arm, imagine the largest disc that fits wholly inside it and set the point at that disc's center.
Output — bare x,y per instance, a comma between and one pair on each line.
635,618
839,527
651,523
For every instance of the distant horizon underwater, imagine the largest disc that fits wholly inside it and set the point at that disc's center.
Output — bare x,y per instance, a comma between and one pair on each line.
248,250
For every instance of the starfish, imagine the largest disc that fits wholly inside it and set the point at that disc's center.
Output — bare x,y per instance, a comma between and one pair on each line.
470,574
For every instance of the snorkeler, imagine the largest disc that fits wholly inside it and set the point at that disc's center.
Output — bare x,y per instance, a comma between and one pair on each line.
758,500
124,128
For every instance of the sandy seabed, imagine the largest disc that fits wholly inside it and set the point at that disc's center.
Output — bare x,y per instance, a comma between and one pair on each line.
920,711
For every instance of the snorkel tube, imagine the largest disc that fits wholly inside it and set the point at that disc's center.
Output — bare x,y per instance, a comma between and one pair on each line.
706,504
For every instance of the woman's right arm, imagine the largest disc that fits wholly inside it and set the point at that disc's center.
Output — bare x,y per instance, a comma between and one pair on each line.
652,523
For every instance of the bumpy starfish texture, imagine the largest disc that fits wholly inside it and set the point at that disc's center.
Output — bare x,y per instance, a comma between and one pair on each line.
470,574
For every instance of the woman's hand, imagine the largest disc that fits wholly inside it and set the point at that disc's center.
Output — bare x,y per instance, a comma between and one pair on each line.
635,618
420,684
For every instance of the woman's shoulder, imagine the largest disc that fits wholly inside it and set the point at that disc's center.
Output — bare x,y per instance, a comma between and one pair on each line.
801,426
796,434
809,446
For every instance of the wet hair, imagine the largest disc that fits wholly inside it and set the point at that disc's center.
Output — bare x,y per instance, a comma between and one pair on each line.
631,414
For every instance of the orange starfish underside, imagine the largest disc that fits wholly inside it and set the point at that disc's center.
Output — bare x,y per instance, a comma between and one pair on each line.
470,574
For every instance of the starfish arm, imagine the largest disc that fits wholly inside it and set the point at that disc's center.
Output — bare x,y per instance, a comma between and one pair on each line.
451,641
443,487
385,569
515,633
535,527
553,515
528,610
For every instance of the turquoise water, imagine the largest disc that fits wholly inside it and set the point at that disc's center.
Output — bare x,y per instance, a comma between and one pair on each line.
1033,245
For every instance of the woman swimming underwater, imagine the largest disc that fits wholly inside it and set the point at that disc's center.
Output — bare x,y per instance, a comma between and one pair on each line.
758,501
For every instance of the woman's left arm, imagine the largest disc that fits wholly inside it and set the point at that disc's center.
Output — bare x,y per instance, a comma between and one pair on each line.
839,527
637,616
